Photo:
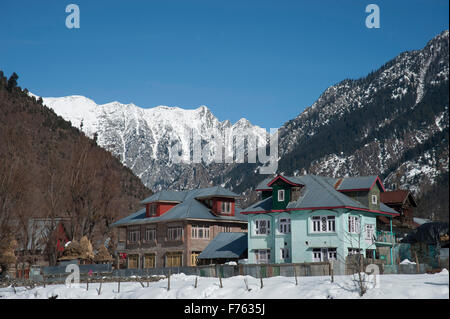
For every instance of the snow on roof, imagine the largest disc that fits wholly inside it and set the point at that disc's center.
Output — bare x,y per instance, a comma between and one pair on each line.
225,245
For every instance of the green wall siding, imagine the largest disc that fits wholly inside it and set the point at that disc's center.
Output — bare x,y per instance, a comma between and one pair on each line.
302,240
266,194
374,191
287,195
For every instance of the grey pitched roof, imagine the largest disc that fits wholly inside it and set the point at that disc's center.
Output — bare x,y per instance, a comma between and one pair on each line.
319,192
263,184
189,207
225,245
180,196
263,205
174,196
360,182
387,209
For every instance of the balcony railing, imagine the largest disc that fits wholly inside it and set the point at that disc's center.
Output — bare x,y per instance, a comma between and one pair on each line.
385,237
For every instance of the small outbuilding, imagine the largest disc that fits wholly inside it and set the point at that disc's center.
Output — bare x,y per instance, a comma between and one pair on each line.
225,247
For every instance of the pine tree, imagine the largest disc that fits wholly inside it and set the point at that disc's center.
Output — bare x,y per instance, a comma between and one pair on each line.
12,82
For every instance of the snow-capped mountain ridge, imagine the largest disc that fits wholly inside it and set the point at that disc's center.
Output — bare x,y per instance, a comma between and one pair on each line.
142,138
392,122
407,79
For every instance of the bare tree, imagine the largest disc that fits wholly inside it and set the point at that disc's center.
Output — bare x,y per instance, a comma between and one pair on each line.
355,262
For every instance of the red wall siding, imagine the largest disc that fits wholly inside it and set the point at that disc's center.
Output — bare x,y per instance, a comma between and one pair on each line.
163,208
217,205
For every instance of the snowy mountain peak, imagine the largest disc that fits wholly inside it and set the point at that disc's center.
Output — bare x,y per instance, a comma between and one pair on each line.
142,137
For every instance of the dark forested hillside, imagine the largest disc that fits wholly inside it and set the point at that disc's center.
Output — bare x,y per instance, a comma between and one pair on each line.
50,169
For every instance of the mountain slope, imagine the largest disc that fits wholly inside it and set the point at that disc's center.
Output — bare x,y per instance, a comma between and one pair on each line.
393,122
50,169
142,138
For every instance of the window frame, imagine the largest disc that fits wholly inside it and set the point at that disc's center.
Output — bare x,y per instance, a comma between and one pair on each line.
134,236
285,254
204,230
372,232
317,224
177,230
279,192
225,207
258,254
147,231
354,223
257,231
284,225
153,207
324,253
354,251
374,199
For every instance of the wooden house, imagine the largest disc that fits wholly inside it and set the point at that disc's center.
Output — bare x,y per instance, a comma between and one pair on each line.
314,219
404,203
174,227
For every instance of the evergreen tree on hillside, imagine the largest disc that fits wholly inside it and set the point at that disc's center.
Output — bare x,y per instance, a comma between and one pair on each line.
12,82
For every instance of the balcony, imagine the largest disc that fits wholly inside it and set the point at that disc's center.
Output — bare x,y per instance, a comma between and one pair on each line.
384,238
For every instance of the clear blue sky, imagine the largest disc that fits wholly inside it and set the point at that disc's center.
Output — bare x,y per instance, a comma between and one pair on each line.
262,60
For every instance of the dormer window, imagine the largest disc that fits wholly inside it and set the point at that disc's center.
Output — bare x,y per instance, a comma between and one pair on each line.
226,207
374,199
152,211
281,195
295,193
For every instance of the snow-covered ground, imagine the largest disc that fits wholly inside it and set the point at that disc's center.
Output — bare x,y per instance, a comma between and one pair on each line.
424,286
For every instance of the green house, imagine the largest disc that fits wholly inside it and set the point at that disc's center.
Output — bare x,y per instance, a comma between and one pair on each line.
313,218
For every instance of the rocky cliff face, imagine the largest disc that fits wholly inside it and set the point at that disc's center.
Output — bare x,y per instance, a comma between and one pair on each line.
143,139
393,123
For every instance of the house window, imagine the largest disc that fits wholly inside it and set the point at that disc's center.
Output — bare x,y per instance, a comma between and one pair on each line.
317,255
323,224
262,227
354,224
152,209
149,261
226,207
194,258
175,233
262,256
281,195
174,259
134,236
324,254
133,261
285,226
284,253
370,233
295,193
332,254
374,199
200,232
150,234
354,251
226,229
